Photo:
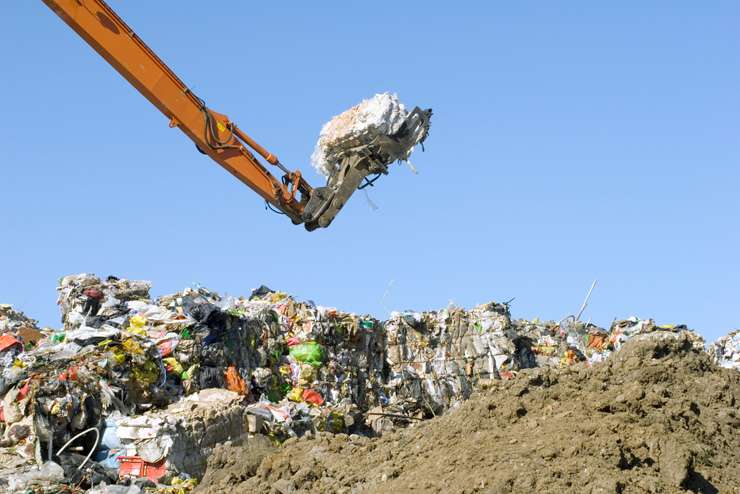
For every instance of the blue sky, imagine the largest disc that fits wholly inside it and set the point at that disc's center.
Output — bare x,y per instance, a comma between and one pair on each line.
571,141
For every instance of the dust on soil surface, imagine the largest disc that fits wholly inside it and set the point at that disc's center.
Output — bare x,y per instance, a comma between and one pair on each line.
656,417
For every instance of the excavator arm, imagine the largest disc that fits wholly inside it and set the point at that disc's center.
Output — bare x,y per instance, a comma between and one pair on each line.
213,133
217,136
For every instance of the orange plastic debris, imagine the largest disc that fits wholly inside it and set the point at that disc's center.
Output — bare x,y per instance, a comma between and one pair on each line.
235,382
597,341
7,341
312,396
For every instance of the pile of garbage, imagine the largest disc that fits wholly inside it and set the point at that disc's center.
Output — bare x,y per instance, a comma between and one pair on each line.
132,389
112,383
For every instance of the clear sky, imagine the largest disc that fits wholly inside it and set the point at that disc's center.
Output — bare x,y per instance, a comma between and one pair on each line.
571,141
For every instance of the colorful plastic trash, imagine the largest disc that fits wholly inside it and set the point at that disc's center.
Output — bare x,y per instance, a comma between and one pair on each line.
308,352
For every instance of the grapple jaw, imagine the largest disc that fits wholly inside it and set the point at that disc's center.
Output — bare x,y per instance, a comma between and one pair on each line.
360,160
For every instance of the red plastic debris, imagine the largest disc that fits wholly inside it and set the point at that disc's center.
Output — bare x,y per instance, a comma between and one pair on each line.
135,466
506,375
166,347
93,293
70,374
7,341
23,392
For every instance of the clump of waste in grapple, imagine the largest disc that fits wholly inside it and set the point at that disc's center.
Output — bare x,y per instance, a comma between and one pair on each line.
370,123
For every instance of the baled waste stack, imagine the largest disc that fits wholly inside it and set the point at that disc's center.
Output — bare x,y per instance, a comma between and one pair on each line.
437,359
124,370
146,388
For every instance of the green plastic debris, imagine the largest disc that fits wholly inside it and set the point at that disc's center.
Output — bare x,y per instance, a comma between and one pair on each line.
237,312
276,354
308,352
58,337
367,324
190,373
186,335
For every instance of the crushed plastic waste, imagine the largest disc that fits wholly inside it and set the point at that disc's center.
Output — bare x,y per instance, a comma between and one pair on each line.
131,389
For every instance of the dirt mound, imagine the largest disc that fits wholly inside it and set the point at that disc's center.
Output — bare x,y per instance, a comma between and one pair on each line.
232,463
658,416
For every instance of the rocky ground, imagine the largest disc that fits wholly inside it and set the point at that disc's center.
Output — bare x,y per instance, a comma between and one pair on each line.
657,416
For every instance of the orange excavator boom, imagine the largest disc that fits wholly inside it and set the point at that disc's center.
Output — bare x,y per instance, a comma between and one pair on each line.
213,133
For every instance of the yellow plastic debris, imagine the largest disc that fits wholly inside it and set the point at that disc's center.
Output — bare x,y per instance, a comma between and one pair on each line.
137,325
295,394
173,366
146,373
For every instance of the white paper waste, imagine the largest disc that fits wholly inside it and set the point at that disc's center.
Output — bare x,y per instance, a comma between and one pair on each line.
383,114
726,351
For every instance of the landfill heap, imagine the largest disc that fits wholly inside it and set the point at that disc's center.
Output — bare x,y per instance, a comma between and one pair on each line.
132,389
656,417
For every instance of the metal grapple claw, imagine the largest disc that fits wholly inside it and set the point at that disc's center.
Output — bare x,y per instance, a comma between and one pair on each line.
363,159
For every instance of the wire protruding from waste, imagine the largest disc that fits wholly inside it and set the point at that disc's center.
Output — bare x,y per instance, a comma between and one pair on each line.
585,301
74,438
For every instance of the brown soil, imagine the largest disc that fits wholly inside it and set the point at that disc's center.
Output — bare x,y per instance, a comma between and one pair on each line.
230,464
656,417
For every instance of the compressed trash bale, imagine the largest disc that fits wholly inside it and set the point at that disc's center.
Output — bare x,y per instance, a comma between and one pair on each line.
436,358
725,351
350,370
185,433
551,343
381,115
